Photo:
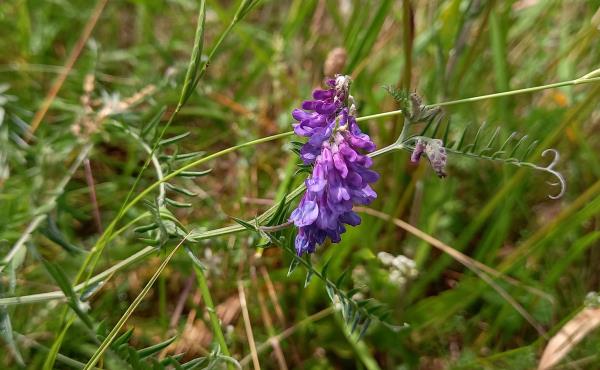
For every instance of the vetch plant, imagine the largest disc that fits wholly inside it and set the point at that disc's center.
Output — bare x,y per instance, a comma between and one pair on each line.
336,154
330,119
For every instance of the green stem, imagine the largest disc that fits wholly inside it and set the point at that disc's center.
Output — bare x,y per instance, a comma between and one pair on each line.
212,314
590,75
577,81
520,91
359,347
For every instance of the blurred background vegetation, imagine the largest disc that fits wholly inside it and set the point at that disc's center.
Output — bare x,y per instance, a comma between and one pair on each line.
134,63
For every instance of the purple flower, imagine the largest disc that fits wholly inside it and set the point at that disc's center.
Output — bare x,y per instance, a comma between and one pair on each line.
341,174
418,151
434,151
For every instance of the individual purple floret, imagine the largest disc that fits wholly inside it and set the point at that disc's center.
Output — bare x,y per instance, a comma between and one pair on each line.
418,151
434,151
341,175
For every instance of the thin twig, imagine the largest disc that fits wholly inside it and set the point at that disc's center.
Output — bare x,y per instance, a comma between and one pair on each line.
273,295
248,326
187,288
89,178
574,82
590,75
270,229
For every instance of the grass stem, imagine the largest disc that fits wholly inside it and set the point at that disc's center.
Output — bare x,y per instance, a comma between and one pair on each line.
215,323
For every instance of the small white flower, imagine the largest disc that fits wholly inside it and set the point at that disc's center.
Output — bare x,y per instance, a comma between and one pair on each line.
385,258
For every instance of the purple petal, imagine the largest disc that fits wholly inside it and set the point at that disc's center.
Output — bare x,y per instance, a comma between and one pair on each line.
305,214
309,104
300,115
350,218
323,94
362,141
340,165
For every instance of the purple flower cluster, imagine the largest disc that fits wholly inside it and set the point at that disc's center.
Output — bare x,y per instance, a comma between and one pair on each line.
341,175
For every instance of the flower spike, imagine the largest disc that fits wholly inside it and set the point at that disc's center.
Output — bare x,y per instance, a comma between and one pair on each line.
341,176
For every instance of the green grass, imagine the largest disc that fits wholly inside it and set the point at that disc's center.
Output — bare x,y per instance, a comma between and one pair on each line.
265,59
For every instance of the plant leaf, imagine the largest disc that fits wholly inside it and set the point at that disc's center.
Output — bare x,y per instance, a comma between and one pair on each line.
174,139
177,204
149,351
180,190
194,173
245,224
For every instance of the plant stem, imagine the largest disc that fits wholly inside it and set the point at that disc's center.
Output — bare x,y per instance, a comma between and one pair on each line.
271,229
520,91
387,149
577,81
212,314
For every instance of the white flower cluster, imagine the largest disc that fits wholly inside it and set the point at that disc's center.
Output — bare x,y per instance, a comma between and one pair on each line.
401,268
